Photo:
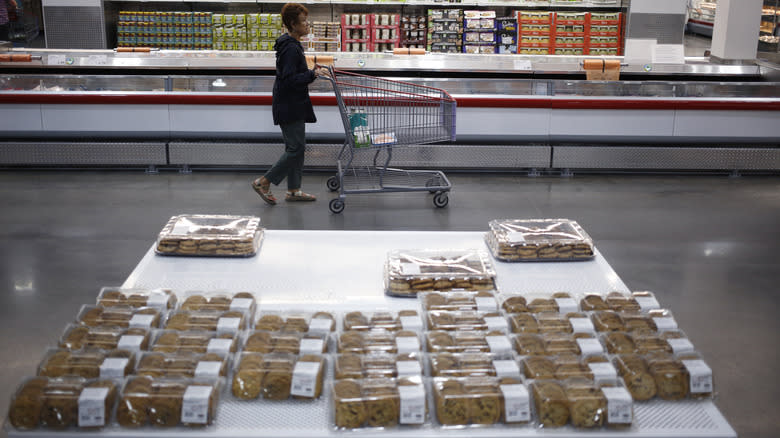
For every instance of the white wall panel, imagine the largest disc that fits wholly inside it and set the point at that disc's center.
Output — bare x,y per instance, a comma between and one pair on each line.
500,122
728,124
20,117
105,118
221,118
568,124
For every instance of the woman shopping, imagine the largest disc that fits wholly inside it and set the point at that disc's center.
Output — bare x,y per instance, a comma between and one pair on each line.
291,107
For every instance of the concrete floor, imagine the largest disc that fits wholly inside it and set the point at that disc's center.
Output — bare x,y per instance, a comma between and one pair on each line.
707,246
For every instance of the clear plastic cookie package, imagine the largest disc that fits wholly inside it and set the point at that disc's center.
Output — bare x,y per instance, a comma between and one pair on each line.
582,404
467,320
378,365
296,322
90,364
484,301
194,341
167,403
120,316
77,336
404,341
379,403
382,320
410,272
261,341
222,322
162,299
468,341
522,240
244,302
210,235
481,401
455,365
666,376
278,376
183,365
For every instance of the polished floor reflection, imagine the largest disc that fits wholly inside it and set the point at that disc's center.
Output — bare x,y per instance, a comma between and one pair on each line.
707,245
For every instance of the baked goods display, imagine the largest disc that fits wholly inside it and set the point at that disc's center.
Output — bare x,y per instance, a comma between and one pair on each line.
484,301
285,342
222,322
166,403
162,299
408,273
243,302
404,341
207,366
379,403
119,316
89,364
210,235
62,403
278,376
393,321
296,322
480,400
174,341
466,320
377,365
516,240
77,336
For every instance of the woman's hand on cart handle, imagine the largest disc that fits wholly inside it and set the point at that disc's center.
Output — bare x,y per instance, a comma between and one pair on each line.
321,71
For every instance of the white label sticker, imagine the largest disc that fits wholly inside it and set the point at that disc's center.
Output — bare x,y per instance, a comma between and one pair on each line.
665,323
130,342
195,405
241,304
92,407
320,325
517,403
56,59
486,304
566,305
407,344
97,60
523,64
408,368
701,376
499,344
647,303
304,378
603,372
113,367
506,368
515,237
413,323
158,300
582,325
410,269
590,346
311,346
219,346
208,369
680,345
497,323
141,321
228,325
619,409
412,404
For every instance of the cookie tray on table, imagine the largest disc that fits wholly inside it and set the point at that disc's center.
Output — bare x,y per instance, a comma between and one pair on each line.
210,236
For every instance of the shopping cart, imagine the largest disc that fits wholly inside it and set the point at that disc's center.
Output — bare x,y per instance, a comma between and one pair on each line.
381,114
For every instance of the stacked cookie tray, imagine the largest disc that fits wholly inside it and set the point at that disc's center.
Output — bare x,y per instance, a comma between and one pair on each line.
522,240
409,272
210,236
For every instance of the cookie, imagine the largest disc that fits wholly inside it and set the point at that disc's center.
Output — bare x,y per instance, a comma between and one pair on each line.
350,412
639,324
92,317
60,404
178,321
573,370
351,342
671,378
587,405
636,376
439,341
619,343
648,344
270,322
551,403
259,342
247,383
277,381
382,404
619,302
539,305
26,407
356,321
444,365
165,405
452,403
553,323
537,367
515,304
608,321
74,340
593,302
484,404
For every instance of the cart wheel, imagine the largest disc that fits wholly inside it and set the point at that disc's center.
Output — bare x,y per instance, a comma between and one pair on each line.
441,199
433,182
333,183
336,205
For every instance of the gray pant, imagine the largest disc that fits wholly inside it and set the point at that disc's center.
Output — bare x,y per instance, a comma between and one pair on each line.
290,164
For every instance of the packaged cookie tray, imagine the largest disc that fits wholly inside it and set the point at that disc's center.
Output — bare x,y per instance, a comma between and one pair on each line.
518,240
665,376
404,341
194,341
481,401
408,273
655,321
474,365
296,322
581,403
120,316
550,344
378,365
484,301
77,336
380,403
183,365
466,320
222,322
595,368
278,376
260,341
560,302
644,342
382,320
441,341
62,403
549,322
163,299
167,402
88,364
244,302
635,302
210,235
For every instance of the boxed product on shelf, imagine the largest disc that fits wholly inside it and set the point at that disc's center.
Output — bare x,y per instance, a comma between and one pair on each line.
164,30
473,365
385,32
466,320
379,403
506,35
89,364
300,322
481,401
162,299
210,235
538,239
324,37
62,403
404,341
285,342
402,320
119,316
188,365
468,341
278,376
413,31
410,272
376,365
77,336
229,322
162,402
192,341
356,32
445,30
221,301
484,301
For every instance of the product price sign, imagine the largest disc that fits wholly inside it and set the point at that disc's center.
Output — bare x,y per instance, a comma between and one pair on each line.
195,405
97,60
56,60
412,404
92,407
523,64
304,379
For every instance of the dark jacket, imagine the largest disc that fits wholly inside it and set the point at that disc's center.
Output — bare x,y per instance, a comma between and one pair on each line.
291,100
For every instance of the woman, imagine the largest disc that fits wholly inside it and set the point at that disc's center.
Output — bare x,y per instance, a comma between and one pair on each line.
291,106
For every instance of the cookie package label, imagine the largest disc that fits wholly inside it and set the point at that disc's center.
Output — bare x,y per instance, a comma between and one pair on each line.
680,345
412,404
130,342
228,325
582,325
647,303
158,300
496,323
408,368
241,304
311,346
619,410
407,344
603,372
517,405
486,304
195,404
141,321
304,378
566,305
590,346
208,369
113,367
219,346
506,368
665,323
515,237
183,228
701,376
411,323
92,407
410,269
499,344
320,325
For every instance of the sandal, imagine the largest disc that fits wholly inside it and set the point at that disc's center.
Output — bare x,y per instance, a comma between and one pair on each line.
299,196
264,191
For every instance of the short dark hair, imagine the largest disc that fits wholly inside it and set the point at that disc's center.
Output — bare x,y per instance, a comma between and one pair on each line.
291,12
